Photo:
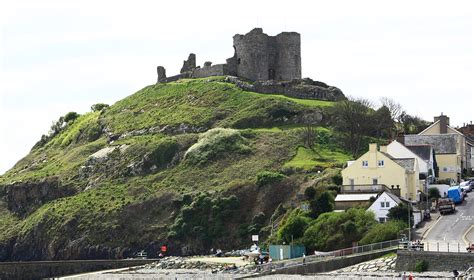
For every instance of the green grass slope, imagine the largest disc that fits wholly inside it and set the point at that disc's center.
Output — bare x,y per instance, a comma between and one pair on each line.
158,158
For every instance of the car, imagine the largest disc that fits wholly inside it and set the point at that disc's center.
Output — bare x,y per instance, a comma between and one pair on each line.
465,186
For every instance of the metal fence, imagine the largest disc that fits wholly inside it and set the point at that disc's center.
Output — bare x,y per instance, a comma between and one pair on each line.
444,246
323,256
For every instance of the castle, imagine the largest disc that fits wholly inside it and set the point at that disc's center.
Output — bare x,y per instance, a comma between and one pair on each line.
257,57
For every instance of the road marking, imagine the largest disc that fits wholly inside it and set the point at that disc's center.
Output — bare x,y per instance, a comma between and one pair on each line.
464,237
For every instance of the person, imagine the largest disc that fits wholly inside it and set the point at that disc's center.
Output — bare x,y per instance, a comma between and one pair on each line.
410,277
404,276
304,259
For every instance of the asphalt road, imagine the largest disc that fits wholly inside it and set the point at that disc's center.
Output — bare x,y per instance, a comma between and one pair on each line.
450,228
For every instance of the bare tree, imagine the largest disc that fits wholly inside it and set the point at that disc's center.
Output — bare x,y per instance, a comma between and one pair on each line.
395,108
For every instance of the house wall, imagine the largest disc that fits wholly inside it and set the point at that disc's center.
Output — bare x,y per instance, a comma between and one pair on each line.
448,165
343,205
390,174
377,208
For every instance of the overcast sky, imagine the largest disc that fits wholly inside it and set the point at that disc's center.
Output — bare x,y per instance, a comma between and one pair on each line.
61,56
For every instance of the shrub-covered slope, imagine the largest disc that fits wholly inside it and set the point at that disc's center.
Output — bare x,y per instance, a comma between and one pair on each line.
174,164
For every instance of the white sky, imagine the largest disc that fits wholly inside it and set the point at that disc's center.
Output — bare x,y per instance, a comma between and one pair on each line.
61,56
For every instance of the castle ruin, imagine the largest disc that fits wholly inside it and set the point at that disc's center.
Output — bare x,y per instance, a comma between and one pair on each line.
257,57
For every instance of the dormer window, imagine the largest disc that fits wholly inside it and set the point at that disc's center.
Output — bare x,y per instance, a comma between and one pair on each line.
380,163
365,163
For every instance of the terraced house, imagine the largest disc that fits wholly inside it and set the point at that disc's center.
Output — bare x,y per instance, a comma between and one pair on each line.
379,171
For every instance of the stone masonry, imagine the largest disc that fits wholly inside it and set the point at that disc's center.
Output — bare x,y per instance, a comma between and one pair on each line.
257,57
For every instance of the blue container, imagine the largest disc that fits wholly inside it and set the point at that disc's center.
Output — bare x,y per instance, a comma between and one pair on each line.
282,252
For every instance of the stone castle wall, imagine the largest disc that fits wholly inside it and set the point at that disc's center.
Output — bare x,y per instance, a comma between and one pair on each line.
257,57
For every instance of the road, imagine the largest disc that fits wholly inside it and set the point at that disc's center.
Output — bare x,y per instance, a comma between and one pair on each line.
451,228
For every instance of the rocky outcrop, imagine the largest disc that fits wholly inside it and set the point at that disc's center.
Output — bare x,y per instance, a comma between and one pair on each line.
302,88
24,197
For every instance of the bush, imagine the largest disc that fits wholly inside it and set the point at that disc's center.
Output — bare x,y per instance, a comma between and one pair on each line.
400,212
421,266
322,204
162,154
336,230
70,117
337,179
215,143
310,193
293,227
99,107
383,232
434,193
268,177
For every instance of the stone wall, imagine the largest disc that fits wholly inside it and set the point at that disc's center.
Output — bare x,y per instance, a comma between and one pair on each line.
49,269
437,261
209,70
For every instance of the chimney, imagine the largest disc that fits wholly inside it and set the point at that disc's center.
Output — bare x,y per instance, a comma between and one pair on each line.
443,123
383,149
372,147
401,139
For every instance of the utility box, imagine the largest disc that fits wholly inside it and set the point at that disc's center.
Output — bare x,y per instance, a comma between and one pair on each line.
282,252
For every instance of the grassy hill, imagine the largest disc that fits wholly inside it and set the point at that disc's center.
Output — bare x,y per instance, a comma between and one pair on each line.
177,164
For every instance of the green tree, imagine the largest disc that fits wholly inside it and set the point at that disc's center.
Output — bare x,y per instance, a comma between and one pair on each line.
400,212
434,193
293,226
322,204
383,232
99,107
352,118
70,117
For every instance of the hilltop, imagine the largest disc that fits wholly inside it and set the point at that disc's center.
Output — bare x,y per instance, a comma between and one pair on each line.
194,164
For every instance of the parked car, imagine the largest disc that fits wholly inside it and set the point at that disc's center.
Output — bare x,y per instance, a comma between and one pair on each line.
446,205
465,186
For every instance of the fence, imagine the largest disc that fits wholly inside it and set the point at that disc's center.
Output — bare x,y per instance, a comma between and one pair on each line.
323,256
444,246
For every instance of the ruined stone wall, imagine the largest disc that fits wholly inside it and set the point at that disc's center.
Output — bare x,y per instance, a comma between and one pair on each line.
207,71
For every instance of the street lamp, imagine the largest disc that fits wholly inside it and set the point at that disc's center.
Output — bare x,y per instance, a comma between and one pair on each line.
409,220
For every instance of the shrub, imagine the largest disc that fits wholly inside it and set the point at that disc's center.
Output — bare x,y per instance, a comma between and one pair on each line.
293,227
310,193
70,117
383,232
99,107
400,212
162,154
421,266
322,204
336,230
337,179
268,177
215,143
434,193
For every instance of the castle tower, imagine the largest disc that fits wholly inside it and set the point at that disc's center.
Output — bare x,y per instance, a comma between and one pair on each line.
262,57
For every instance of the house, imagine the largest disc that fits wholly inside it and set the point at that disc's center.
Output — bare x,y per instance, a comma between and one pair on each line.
382,204
452,150
388,200
379,168
346,201
422,154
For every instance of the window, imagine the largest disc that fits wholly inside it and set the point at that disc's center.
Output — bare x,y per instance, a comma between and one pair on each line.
375,181
365,163
382,204
380,163
382,220
387,204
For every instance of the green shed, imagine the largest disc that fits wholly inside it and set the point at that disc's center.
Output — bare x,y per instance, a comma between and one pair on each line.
282,252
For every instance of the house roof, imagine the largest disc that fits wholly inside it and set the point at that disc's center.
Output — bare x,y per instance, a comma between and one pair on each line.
355,197
394,197
407,163
442,143
433,124
423,151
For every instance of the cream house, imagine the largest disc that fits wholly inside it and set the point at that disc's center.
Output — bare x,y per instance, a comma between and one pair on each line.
379,168
451,148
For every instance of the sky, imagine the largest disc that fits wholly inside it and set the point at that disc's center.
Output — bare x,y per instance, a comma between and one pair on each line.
61,56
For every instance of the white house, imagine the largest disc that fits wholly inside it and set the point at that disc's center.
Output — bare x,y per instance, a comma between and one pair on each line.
382,204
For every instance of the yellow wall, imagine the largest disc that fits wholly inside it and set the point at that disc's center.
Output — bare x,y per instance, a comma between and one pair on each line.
390,174
450,161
